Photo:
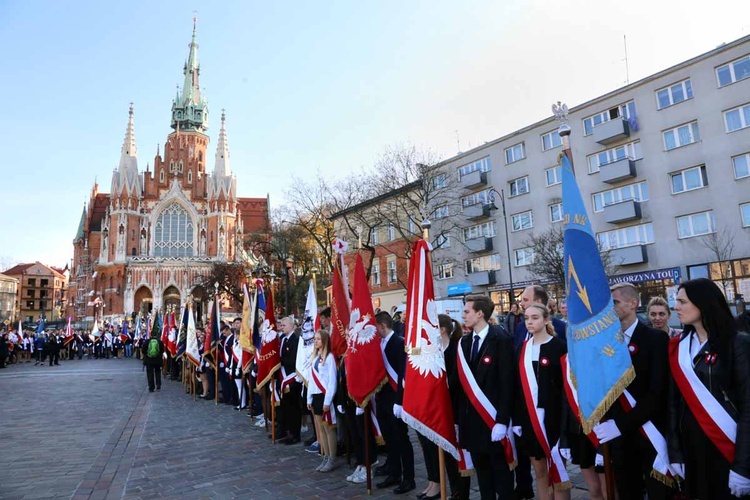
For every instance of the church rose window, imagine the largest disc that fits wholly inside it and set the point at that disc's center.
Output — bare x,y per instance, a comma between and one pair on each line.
173,233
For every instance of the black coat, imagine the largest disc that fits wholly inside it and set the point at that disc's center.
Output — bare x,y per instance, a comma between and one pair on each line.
394,352
157,361
289,353
495,374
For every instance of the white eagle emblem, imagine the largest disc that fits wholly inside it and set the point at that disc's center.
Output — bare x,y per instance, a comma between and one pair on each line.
430,344
267,333
360,332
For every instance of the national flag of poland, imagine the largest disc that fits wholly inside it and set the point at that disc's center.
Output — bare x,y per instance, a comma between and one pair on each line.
427,405
365,369
172,335
68,334
340,313
268,357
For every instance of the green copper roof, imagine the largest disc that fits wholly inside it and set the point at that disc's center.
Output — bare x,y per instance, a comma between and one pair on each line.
190,109
81,225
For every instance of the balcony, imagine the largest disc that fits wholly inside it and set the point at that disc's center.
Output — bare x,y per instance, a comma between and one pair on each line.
474,179
481,278
617,170
629,255
480,245
611,131
477,211
622,212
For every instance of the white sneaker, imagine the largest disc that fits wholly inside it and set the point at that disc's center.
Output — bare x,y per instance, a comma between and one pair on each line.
260,417
303,429
351,476
323,464
260,423
361,476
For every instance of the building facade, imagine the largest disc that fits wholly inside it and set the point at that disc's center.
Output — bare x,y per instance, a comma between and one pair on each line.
663,165
41,291
149,242
8,298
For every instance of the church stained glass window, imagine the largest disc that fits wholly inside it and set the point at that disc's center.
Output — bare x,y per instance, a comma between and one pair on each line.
173,233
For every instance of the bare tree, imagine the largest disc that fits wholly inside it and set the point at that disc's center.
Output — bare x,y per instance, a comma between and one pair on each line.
6,262
720,244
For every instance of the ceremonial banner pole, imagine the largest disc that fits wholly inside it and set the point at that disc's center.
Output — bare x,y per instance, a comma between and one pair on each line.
367,450
216,375
273,417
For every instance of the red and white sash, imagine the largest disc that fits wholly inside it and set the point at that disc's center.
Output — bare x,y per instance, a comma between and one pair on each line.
572,394
329,417
484,407
392,375
286,380
557,473
374,423
716,423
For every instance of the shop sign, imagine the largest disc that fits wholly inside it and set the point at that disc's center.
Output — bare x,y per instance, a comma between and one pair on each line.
673,274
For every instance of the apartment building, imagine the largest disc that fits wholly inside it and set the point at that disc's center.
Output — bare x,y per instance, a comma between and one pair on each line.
40,292
662,163
8,291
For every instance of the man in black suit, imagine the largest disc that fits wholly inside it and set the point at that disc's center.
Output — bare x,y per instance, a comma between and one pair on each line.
290,411
632,454
395,432
488,350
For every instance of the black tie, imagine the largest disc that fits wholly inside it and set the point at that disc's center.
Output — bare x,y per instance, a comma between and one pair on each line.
475,348
283,343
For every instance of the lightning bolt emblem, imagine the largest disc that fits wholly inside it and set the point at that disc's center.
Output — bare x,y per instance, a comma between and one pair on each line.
581,290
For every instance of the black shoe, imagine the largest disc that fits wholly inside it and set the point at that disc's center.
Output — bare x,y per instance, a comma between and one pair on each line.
255,413
284,440
293,440
382,470
158,388
524,494
389,481
433,497
150,390
407,485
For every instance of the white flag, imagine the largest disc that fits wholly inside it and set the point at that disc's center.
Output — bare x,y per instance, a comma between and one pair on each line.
305,347
191,347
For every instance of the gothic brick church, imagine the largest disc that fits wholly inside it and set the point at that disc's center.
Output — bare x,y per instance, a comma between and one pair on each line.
148,242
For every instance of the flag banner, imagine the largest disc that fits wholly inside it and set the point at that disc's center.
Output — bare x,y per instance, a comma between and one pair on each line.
39,329
340,313
365,369
138,328
268,357
95,329
192,351
68,334
155,325
307,338
172,335
182,336
247,328
597,353
124,333
427,404
213,335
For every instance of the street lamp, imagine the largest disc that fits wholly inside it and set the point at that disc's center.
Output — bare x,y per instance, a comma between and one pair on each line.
287,268
494,191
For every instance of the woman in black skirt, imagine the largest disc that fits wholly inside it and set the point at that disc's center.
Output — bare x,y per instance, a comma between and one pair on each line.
709,407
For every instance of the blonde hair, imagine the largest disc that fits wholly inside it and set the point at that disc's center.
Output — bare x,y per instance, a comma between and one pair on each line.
325,340
545,315
658,301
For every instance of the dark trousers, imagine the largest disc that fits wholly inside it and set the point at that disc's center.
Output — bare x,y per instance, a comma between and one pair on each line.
460,485
153,374
54,357
226,385
39,356
523,474
290,412
493,475
431,459
355,426
396,434
633,459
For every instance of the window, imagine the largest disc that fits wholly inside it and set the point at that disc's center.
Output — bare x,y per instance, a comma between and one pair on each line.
626,111
483,165
674,94
555,212
412,226
442,241
173,232
631,150
626,237
375,238
43,283
486,230
375,274
439,181
741,165
553,175
519,186
392,278
637,192
681,136
737,118
190,176
29,304
484,263
745,213
689,179
30,293
737,70
32,281
391,232
444,271
551,140
522,221
441,211
695,224
475,198
524,256
43,304
514,153
161,175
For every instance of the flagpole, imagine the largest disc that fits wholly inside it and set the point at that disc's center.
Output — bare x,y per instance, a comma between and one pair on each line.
367,449
560,111
273,415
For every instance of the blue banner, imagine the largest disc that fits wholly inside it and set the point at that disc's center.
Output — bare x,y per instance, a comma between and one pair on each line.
597,353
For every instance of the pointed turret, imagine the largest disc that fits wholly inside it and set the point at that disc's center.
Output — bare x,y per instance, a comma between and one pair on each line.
81,233
221,166
189,109
125,178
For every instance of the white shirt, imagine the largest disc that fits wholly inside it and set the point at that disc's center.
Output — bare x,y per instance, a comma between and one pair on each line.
695,345
482,335
628,334
384,341
326,373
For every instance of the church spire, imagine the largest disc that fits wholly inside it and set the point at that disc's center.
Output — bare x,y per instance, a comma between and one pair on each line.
190,109
125,177
221,165
128,146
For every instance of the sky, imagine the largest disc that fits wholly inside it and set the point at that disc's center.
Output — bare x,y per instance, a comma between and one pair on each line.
307,86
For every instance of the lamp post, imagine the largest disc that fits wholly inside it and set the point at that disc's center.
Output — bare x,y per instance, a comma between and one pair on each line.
288,262
501,193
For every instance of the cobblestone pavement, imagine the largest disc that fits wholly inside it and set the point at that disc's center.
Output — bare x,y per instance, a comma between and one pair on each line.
90,429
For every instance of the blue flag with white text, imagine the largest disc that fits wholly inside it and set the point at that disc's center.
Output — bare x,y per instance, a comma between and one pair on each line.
597,353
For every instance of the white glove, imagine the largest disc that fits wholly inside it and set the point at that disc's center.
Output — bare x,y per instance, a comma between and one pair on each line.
607,431
517,430
340,409
456,426
397,411
164,355
359,411
739,486
297,378
227,370
565,453
237,372
499,431
221,365
678,470
599,460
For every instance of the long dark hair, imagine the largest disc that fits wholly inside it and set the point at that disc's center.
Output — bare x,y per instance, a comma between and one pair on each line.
452,326
716,317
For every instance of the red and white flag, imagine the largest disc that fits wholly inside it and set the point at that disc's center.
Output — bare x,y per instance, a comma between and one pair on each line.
427,404
340,313
68,334
268,357
246,329
365,369
310,325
